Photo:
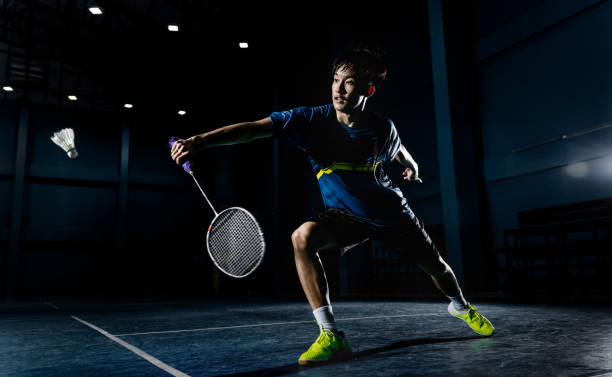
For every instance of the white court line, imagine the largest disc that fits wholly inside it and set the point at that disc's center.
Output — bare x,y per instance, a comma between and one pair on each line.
212,328
283,323
158,363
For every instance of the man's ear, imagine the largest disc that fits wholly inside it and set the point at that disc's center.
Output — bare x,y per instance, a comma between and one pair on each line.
371,90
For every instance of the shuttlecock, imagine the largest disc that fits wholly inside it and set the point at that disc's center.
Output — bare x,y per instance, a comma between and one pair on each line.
65,139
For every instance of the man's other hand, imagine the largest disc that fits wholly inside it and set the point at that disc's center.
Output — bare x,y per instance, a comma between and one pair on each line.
409,175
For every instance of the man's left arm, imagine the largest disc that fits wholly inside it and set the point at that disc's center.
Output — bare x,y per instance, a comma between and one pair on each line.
411,173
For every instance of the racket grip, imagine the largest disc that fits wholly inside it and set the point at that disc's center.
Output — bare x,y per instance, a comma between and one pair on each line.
186,165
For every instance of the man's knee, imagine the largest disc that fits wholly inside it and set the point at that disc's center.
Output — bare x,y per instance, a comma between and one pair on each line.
309,237
302,236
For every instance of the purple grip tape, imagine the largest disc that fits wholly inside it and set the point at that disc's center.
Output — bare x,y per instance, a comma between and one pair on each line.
186,165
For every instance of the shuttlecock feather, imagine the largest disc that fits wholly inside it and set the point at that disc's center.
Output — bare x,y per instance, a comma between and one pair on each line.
65,139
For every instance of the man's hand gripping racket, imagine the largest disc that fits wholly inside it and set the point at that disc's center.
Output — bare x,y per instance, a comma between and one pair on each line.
234,239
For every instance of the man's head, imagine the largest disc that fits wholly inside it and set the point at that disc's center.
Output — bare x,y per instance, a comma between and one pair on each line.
357,73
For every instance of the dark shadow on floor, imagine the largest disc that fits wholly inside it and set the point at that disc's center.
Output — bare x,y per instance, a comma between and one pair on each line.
365,354
408,343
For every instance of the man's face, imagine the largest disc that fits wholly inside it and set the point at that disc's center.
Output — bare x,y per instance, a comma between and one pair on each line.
348,93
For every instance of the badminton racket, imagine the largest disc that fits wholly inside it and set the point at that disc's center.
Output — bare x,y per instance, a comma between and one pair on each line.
234,239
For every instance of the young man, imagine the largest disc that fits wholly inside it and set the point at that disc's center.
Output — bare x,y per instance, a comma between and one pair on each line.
348,148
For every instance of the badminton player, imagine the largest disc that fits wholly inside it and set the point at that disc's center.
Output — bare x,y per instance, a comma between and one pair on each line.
348,148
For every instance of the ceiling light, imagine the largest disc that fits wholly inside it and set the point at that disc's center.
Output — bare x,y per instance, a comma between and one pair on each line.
128,105
95,10
7,88
243,45
72,98
173,28
182,112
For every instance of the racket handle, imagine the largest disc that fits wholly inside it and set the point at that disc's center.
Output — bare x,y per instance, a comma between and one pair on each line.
186,165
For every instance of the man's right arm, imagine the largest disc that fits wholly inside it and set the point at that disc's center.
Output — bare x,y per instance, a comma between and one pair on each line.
234,134
228,135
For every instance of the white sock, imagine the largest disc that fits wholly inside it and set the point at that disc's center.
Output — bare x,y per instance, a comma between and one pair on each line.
459,302
325,317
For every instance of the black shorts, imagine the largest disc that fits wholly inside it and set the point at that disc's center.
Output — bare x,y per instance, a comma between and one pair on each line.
411,239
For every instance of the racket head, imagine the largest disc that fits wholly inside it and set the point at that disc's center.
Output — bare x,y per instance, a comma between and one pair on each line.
235,242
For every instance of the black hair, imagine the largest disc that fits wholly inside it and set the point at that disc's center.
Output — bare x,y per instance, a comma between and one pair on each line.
369,62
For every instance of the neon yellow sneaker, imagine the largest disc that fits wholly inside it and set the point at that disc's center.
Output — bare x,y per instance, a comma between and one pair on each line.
329,345
474,319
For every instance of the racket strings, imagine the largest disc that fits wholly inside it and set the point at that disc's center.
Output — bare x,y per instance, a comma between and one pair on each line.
242,241
236,242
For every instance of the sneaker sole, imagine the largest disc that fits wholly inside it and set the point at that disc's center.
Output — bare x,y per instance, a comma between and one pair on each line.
336,357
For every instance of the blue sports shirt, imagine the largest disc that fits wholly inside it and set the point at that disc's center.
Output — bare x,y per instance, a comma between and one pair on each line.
348,161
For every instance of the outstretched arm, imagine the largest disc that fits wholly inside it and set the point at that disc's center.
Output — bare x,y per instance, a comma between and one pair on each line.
411,173
237,133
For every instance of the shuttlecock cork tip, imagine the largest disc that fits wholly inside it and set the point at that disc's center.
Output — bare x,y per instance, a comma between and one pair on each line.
73,154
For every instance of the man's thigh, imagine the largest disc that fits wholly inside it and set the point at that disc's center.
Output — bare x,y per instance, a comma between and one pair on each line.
412,242
347,231
314,237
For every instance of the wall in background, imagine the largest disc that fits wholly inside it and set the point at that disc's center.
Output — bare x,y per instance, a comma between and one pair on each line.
556,81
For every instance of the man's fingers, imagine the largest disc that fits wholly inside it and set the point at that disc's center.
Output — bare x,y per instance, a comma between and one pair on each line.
178,145
182,157
175,155
177,149
175,145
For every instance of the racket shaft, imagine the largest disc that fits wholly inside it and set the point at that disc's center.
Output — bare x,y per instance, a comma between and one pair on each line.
202,191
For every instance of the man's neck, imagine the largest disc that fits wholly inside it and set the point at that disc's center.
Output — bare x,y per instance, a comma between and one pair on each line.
350,119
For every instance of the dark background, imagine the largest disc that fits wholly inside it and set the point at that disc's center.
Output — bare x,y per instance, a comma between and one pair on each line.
519,74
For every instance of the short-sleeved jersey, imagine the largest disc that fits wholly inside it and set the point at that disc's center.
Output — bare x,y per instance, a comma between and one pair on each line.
348,161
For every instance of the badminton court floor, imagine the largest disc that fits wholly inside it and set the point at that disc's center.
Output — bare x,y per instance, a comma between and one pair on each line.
255,338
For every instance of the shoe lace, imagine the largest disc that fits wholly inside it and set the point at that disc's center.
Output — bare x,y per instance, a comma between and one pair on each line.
324,338
474,315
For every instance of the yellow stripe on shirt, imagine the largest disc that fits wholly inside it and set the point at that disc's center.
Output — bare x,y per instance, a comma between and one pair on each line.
346,166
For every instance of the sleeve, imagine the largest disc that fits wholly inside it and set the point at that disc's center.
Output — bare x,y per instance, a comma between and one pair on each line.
393,143
294,126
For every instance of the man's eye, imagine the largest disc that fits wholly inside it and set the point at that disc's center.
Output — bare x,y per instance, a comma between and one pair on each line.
350,83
